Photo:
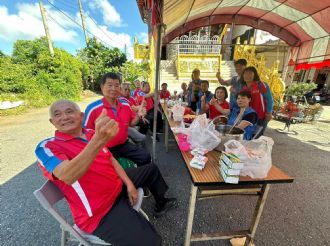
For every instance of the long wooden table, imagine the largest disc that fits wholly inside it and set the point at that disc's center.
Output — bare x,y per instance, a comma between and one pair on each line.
208,183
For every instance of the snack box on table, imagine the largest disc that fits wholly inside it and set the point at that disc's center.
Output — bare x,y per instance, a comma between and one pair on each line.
229,170
230,167
231,160
232,179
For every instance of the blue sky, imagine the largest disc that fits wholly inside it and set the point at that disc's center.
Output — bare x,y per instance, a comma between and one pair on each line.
117,22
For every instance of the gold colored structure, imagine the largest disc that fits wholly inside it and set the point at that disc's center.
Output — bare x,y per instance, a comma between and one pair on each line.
208,64
269,76
141,51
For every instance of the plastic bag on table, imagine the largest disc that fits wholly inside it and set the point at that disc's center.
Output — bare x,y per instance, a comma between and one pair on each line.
236,147
178,112
199,121
255,154
180,129
203,135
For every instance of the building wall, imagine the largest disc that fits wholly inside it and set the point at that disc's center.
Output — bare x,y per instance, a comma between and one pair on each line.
272,56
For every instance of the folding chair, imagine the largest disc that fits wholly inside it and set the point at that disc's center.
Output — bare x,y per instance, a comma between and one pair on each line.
257,131
48,195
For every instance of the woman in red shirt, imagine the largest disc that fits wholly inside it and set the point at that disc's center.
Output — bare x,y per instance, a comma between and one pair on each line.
218,105
261,96
164,93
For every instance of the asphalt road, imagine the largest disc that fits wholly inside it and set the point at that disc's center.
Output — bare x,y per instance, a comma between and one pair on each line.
295,214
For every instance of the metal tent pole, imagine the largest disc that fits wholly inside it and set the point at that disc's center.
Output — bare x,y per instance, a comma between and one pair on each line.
158,44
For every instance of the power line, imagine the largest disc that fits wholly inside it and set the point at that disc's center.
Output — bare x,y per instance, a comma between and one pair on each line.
69,17
94,21
105,33
55,21
68,4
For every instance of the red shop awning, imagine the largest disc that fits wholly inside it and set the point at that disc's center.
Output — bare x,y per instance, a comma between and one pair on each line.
307,66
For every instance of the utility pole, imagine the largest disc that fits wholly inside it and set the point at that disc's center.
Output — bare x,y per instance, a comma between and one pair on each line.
125,50
83,21
44,20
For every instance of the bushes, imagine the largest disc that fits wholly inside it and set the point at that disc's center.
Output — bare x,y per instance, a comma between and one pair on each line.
14,78
34,76
37,78
300,89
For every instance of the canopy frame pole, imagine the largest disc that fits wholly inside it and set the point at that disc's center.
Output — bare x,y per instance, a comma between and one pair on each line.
157,82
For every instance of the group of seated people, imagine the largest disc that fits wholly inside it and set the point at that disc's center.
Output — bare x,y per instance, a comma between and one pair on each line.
81,160
250,105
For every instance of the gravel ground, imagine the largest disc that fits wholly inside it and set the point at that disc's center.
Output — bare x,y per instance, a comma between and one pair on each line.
295,214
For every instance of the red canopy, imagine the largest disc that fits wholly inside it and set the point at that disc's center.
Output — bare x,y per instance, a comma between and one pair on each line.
303,24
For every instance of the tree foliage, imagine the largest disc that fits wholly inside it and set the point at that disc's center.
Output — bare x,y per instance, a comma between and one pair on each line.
33,75
300,89
100,59
132,70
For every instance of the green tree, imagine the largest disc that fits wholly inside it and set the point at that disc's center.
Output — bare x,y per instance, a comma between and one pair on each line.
38,78
14,78
132,70
100,59
2,54
28,51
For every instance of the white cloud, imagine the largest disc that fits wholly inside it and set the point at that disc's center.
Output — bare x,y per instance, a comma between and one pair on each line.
110,15
27,24
143,37
111,38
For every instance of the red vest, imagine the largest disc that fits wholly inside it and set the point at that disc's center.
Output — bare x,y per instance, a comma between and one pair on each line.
258,102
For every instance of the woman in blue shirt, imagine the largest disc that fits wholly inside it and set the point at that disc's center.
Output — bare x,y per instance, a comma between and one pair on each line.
243,116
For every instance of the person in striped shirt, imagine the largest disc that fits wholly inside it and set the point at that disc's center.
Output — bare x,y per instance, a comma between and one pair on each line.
118,109
99,192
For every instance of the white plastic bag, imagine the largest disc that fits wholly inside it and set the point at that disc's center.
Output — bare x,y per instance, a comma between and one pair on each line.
255,154
180,129
203,135
235,147
199,121
178,112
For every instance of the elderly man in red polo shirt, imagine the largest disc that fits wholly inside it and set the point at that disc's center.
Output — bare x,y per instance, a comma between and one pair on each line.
146,97
133,133
118,109
99,192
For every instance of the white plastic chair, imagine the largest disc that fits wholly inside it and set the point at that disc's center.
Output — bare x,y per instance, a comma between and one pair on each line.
48,195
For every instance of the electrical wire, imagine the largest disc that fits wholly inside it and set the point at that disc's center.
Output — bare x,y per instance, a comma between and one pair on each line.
105,33
55,21
74,21
68,4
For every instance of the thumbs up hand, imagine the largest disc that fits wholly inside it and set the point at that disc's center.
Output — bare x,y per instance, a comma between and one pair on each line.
105,128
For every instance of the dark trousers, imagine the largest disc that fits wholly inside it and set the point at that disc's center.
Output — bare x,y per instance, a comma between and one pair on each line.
193,106
131,151
263,123
150,117
122,225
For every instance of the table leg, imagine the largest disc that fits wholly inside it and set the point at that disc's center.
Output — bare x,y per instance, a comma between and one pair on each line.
257,213
166,135
191,213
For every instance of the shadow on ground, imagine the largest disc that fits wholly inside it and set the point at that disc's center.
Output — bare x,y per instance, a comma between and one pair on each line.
295,214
